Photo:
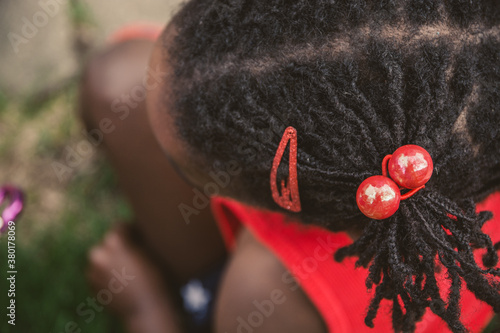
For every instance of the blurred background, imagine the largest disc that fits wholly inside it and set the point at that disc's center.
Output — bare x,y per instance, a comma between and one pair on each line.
45,45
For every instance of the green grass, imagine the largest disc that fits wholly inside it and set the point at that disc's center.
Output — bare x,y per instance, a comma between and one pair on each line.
50,281
32,105
3,102
494,326
52,243
79,13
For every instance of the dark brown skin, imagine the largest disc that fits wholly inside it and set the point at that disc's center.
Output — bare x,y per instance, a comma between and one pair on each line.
146,177
154,190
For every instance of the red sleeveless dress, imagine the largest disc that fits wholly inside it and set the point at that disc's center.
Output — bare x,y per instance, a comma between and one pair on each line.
338,289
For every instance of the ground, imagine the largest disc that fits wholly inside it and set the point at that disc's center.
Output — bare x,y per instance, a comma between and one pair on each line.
71,193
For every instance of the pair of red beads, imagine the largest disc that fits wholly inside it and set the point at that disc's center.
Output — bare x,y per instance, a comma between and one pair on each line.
410,167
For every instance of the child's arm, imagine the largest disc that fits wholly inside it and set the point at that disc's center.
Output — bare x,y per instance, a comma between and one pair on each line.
254,298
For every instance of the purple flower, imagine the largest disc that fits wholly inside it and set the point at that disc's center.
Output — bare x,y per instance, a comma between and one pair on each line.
14,199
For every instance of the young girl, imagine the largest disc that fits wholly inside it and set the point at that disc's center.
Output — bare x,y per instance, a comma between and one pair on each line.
281,113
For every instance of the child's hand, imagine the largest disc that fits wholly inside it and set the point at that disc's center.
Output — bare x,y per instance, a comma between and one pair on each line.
127,283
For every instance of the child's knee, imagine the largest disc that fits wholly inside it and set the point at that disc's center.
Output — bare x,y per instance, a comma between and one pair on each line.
114,82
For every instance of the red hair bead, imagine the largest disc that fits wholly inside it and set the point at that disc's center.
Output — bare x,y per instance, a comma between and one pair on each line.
410,166
378,197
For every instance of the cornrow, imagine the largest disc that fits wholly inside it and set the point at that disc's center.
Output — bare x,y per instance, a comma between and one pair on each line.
357,79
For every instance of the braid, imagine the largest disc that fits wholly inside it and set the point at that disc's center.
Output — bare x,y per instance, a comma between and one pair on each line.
357,79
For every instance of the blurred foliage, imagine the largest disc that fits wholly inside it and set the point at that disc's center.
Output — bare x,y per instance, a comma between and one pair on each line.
53,235
52,140
494,326
50,281
3,102
80,13
45,98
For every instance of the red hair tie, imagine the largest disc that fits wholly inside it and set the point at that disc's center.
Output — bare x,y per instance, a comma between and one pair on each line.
289,198
410,167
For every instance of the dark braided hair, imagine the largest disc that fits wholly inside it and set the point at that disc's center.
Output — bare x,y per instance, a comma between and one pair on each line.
357,79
